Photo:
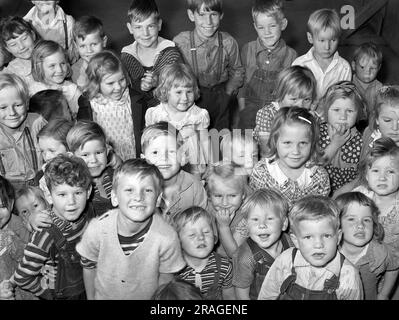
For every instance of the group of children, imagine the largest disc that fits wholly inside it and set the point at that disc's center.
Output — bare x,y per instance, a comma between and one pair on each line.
120,178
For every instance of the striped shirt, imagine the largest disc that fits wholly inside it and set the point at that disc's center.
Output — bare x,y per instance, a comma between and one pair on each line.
128,245
36,271
205,278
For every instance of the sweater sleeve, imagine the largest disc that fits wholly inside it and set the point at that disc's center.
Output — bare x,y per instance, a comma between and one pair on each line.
89,245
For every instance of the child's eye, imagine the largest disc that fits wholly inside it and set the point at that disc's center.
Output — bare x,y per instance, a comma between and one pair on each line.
217,195
61,194
148,190
270,218
327,236
254,219
232,195
3,107
350,219
304,143
391,171
368,220
79,193
191,235
307,237
386,120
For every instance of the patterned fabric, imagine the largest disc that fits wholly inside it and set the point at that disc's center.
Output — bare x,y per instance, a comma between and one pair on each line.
339,69
79,76
20,67
115,118
207,51
343,167
312,278
315,181
264,120
205,277
388,218
35,269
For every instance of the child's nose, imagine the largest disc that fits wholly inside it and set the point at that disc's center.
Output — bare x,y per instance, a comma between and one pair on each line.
146,31
343,115
208,18
395,125
225,202
20,45
318,243
12,111
58,68
71,199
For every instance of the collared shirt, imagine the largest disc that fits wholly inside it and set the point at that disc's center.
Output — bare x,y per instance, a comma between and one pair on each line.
191,193
254,55
368,92
15,153
339,69
207,57
312,278
55,30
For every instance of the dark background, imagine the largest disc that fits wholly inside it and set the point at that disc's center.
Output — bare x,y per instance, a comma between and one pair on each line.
380,26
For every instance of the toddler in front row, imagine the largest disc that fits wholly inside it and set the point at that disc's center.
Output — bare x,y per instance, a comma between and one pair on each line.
314,269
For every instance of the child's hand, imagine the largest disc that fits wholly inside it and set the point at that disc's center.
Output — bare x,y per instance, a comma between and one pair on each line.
39,219
223,217
339,135
6,290
147,81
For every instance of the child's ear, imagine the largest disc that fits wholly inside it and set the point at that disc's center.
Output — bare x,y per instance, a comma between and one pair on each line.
190,15
114,199
129,27
159,24
284,24
339,236
294,240
89,192
159,199
105,40
353,64
310,37
285,224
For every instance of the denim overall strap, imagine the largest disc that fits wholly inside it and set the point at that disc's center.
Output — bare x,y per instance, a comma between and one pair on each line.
332,284
289,281
65,33
193,50
212,293
263,262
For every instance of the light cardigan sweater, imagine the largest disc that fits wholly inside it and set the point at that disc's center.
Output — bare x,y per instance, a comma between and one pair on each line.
135,276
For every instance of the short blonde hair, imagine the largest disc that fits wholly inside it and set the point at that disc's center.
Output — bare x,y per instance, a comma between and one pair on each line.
227,171
159,129
386,95
311,208
174,75
272,8
41,51
323,19
192,215
12,80
296,81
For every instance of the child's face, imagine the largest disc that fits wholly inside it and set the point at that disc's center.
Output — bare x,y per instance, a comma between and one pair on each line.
21,46
50,148
388,122
291,100
244,153
265,226
13,109
317,240
113,85
5,214
342,112
357,225
293,145
90,45
28,204
383,176
225,194
366,69
45,7
94,153
269,29
146,32
325,43
206,22
197,238
69,201
163,152
181,98
55,68
137,197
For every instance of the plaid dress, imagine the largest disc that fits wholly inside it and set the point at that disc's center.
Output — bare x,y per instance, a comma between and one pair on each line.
313,181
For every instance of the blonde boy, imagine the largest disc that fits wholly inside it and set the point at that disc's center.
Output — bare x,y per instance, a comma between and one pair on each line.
128,252
162,146
314,269
265,212
263,59
214,57
323,59
89,37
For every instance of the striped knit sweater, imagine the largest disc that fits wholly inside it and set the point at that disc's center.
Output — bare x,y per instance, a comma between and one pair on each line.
34,271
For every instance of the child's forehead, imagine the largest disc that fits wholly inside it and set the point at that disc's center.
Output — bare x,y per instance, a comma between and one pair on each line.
225,185
199,222
367,59
19,36
316,225
163,142
66,188
264,17
92,36
139,21
326,33
205,9
387,161
136,179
